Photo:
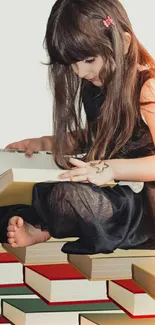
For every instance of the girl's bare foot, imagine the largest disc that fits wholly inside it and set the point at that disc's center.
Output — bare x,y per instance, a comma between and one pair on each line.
21,233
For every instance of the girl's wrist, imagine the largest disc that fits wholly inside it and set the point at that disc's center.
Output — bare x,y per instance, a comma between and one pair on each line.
115,165
46,143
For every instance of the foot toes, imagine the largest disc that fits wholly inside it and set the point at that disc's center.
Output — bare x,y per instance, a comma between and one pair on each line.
16,221
13,221
14,245
20,222
10,234
10,241
11,228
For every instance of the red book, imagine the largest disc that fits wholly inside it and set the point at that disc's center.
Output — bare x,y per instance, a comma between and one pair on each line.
11,271
131,298
7,258
4,321
63,284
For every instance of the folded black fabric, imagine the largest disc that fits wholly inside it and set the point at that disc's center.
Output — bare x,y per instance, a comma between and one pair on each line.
102,218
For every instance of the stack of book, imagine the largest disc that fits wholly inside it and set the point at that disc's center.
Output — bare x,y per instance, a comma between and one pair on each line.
63,291
11,281
45,286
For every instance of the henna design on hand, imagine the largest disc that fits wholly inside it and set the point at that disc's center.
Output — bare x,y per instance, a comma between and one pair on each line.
99,169
92,164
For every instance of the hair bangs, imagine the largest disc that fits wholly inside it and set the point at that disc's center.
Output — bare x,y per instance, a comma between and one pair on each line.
70,44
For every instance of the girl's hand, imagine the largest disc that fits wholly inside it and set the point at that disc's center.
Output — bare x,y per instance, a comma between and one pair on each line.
29,145
97,172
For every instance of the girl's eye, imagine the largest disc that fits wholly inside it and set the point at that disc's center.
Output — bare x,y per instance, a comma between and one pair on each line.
90,60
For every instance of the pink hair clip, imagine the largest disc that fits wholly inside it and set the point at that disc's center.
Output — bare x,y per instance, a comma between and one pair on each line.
108,21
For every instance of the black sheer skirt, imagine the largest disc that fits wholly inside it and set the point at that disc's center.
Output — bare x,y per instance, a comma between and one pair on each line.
102,218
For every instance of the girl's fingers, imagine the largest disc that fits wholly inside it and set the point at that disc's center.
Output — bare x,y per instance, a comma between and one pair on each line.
77,162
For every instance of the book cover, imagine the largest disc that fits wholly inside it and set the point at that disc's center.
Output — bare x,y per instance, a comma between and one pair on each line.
7,258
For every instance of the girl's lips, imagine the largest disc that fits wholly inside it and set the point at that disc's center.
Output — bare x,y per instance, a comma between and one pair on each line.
94,79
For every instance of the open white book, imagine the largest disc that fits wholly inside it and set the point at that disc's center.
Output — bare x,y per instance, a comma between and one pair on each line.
18,174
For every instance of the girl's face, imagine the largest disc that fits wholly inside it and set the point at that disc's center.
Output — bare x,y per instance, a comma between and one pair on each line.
89,69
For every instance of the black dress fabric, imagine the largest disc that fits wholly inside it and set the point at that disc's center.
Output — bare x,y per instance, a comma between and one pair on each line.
102,218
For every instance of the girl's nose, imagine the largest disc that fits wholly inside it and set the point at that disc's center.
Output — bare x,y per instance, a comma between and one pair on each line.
82,73
80,70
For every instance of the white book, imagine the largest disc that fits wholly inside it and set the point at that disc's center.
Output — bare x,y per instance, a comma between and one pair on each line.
20,174
16,159
16,273
63,283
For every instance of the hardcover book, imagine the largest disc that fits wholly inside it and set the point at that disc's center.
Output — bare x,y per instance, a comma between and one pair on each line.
112,319
37,312
114,266
63,284
43,253
131,298
144,276
9,264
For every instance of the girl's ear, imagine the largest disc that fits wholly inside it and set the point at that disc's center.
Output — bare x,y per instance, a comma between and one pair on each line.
127,41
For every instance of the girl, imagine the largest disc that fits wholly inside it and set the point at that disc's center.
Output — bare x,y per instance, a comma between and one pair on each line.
94,59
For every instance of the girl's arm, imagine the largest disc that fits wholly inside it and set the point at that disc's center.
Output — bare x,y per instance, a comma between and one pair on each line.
140,169
70,147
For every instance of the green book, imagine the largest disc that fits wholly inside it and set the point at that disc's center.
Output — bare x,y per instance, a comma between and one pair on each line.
37,312
19,292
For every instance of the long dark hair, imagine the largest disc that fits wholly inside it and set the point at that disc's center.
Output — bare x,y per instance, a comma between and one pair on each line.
75,31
